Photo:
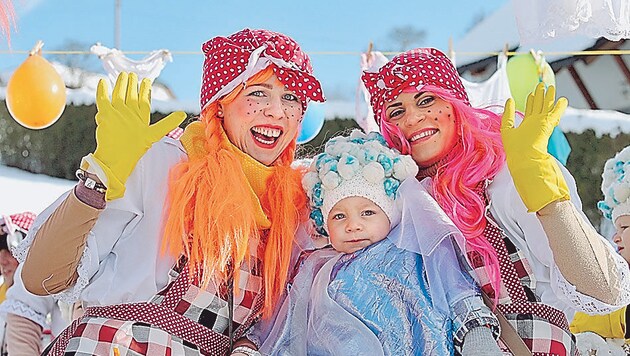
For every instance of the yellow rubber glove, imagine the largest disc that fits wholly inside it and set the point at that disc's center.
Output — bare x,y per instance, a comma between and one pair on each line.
611,325
535,173
123,130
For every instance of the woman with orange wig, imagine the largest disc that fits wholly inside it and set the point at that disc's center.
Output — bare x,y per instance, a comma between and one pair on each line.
179,246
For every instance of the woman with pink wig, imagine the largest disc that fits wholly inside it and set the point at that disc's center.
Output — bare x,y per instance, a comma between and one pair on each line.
531,249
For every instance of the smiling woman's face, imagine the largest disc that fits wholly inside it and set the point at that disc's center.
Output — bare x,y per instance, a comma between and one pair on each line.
427,122
263,120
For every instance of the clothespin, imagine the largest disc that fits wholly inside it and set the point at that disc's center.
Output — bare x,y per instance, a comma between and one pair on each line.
539,58
368,54
451,52
506,49
37,49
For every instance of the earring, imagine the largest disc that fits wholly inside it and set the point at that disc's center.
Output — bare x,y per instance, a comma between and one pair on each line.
220,114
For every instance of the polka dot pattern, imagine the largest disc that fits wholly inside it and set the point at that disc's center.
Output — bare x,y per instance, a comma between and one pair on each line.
228,57
183,315
415,68
22,221
518,302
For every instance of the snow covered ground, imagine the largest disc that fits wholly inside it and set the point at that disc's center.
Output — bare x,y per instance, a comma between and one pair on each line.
23,191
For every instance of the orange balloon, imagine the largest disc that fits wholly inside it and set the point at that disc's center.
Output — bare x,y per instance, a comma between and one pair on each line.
36,94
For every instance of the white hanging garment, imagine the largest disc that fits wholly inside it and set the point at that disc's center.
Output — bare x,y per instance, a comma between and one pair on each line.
544,19
114,62
365,116
492,92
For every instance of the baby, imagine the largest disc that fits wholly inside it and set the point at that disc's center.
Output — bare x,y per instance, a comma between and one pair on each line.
392,283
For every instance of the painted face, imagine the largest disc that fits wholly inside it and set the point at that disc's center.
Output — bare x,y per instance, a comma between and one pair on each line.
355,223
427,122
622,236
8,265
263,119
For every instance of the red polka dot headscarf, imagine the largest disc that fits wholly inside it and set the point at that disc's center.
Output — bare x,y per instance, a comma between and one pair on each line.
21,221
231,60
412,69
10,225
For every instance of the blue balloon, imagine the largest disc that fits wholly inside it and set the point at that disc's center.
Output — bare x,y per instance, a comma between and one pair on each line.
312,123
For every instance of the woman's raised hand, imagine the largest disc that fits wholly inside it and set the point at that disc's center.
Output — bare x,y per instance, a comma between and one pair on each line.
123,130
535,172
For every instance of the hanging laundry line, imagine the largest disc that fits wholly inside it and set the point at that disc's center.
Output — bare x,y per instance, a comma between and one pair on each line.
616,52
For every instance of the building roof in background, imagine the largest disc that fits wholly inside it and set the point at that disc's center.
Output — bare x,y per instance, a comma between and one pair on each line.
498,29
603,122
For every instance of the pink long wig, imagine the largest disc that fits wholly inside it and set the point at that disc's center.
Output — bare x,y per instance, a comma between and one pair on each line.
477,156
7,18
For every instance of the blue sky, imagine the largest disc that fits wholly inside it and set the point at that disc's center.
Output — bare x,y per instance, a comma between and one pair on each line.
183,25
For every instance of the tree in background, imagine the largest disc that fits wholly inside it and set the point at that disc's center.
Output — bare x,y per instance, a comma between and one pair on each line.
403,38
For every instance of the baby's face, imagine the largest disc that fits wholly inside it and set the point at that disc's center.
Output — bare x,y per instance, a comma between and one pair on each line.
355,223
622,236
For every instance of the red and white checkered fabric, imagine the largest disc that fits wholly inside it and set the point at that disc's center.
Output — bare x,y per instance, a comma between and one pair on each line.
183,319
21,221
176,133
412,69
232,60
543,328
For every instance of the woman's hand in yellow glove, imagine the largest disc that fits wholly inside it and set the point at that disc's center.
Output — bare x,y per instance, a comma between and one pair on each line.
535,173
123,131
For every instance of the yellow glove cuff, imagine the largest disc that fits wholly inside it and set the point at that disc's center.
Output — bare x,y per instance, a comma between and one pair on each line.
544,183
115,188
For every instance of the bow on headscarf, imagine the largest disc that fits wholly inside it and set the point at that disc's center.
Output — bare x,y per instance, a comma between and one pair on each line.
412,69
232,60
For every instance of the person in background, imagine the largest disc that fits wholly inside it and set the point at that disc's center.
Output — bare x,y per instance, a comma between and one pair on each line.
27,317
13,228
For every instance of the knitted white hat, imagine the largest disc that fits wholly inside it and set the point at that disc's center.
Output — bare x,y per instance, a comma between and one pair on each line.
359,165
616,186
358,186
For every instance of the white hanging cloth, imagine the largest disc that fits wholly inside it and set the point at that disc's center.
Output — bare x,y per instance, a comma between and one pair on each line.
545,19
114,62
364,115
494,91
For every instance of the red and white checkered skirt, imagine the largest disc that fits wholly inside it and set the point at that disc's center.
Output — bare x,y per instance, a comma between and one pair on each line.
182,319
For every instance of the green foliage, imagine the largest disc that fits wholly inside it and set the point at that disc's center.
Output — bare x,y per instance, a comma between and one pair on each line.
331,128
586,162
57,150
